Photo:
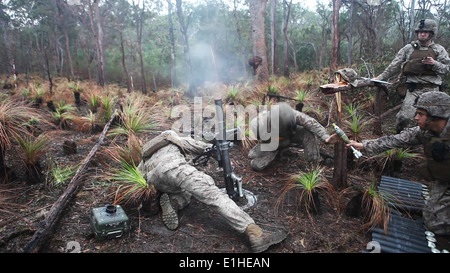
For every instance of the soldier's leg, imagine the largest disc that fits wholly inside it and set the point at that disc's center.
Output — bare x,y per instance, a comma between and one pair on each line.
203,188
405,117
309,142
437,210
261,159
185,181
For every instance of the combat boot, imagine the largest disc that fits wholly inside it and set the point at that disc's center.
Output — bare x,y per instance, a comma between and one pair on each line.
169,212
260,239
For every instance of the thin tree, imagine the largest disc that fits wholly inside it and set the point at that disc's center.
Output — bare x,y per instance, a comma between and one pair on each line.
139,20
274,34
97,30
287,8
257,13
62,17
336,36
173,74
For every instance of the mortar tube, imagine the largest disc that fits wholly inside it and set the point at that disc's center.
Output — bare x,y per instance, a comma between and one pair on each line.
401,244
223,146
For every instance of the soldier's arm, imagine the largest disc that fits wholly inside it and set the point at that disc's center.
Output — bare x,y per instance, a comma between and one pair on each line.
311,125
396,64
407,138
193,146
442,64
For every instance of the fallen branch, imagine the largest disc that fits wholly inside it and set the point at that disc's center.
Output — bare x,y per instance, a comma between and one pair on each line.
45,227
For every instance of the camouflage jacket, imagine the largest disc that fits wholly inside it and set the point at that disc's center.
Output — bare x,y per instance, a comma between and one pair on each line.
311,125
410,137
441,67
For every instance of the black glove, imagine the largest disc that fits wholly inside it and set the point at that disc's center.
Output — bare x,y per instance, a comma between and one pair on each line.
439,151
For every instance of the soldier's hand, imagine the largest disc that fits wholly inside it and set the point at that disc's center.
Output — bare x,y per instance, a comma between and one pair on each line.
356,145
334,138
429,60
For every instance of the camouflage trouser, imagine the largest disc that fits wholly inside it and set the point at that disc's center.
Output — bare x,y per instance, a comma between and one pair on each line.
405,117
172,175
436,213
261,159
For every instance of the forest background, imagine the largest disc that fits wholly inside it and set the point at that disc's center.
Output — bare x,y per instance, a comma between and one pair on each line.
148,45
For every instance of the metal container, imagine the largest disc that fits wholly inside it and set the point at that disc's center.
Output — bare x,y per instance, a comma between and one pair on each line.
109,222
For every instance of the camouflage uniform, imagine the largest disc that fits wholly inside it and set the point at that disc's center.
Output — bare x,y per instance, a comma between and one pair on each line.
418,83
294,127
167,169
437,168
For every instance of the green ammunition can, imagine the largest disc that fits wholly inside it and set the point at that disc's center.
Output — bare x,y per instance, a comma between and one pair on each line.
109,222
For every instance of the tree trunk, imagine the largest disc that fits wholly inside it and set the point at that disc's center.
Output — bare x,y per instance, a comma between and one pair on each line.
139,17
125,71
285,36
335,42
411,22
274,33
173,74
257,13
187,52
61,22
238,31
350,35
97,30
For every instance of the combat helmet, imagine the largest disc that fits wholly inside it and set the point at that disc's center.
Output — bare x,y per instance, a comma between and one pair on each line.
437,104
429,25
349,75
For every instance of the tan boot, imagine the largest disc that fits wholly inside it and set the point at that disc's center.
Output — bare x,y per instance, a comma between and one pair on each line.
169,212
260,239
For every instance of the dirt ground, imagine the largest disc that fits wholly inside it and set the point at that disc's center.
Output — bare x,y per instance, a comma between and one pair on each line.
201,229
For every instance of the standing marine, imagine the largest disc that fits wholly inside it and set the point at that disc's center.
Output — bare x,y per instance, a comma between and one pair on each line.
420,63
